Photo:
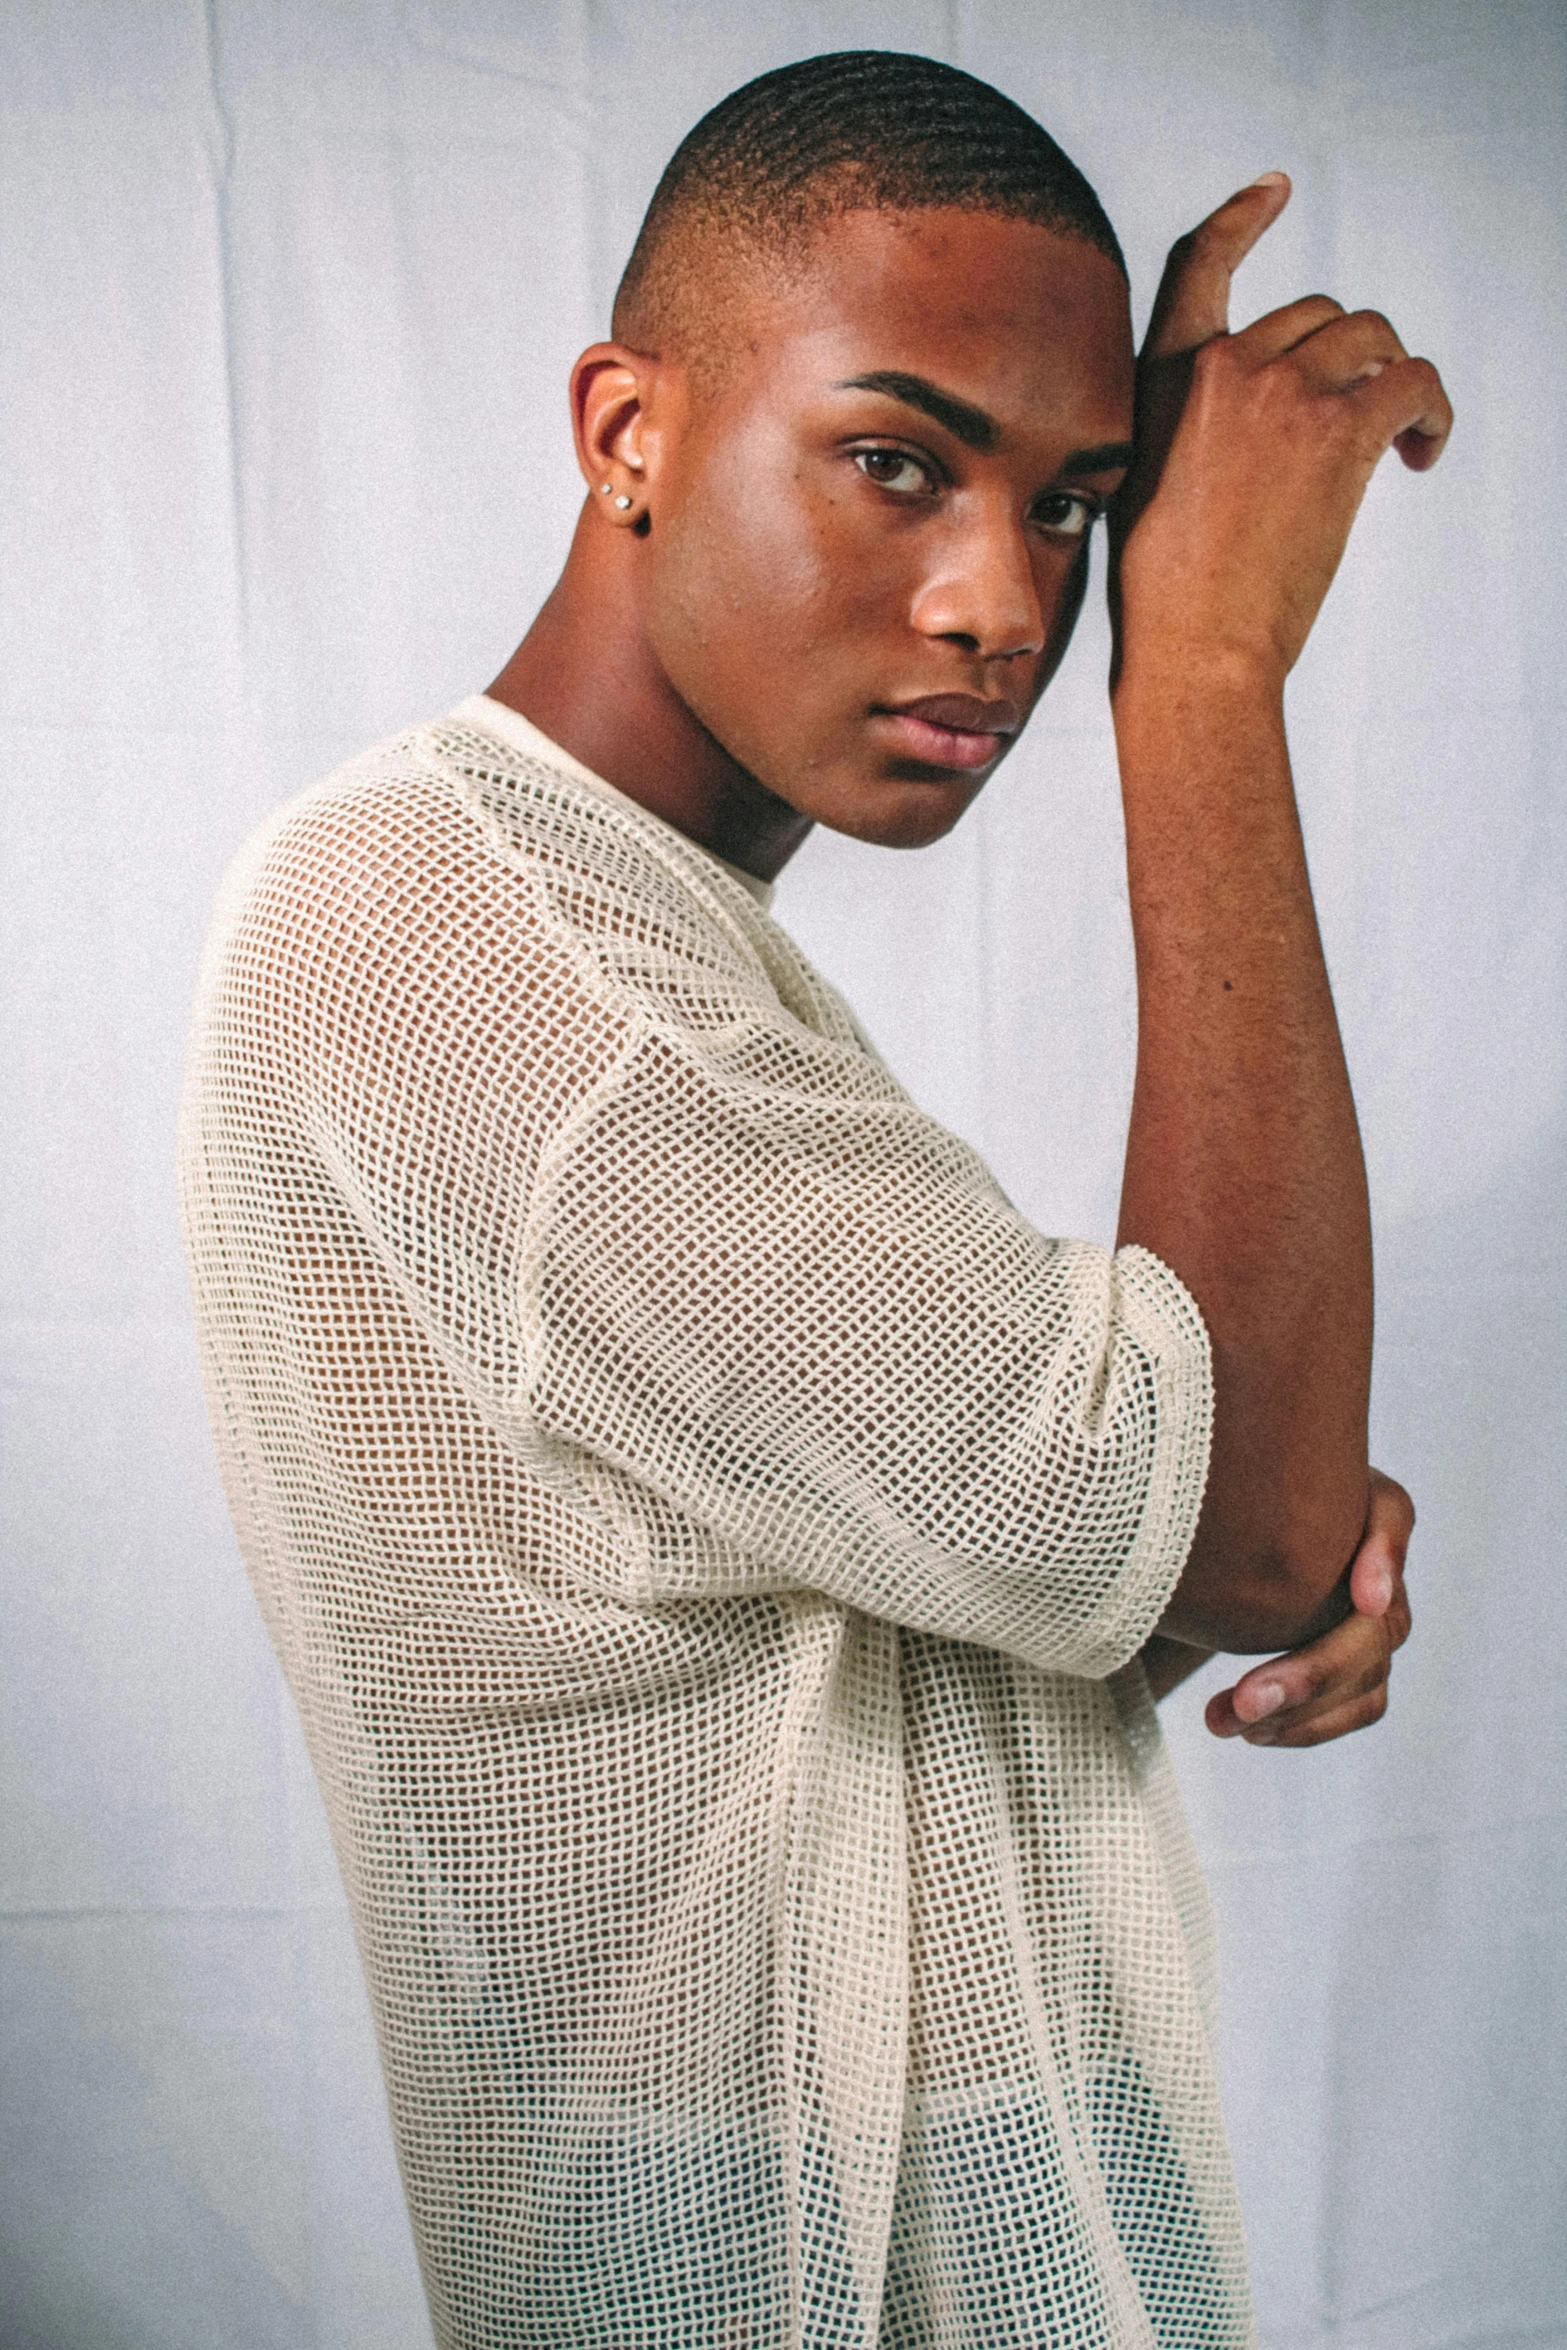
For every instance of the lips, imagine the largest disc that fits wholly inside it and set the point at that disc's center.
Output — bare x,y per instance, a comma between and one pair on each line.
951,730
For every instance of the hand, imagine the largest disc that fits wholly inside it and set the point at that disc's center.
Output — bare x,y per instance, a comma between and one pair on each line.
1339,1682
1253,453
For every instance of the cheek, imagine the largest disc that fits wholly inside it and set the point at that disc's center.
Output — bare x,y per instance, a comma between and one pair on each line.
761,566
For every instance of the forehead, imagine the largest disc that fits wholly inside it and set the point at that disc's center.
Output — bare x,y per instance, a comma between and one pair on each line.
1028,324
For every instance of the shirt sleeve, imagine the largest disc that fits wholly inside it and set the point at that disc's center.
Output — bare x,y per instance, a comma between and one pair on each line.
796,1337
629,1172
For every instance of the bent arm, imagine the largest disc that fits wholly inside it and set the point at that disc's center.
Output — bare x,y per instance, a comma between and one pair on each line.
1243,1165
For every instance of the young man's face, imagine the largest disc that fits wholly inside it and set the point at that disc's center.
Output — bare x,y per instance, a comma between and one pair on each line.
868,545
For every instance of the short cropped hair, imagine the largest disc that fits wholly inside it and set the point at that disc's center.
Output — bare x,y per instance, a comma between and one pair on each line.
868,129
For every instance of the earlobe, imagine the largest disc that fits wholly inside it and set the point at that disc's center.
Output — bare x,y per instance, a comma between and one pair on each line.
608,404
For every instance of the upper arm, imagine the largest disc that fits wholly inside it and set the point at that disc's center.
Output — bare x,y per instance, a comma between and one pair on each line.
710,1270
806,1340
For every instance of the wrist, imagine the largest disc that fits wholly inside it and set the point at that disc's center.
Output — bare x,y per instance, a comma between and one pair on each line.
1174,676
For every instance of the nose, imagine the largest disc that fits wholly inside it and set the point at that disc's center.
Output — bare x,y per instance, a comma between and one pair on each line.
981,591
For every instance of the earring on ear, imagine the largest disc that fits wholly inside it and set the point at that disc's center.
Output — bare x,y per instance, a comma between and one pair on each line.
603,489
623,502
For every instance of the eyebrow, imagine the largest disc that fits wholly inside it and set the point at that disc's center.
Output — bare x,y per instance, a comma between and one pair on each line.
971,425
965,422
1104,457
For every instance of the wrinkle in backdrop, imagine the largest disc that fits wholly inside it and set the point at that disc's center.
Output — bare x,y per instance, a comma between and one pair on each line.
291,295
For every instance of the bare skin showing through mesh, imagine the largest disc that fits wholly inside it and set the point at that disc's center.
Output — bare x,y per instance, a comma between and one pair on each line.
719,1548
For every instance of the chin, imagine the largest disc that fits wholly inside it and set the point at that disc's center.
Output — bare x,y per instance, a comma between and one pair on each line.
901,811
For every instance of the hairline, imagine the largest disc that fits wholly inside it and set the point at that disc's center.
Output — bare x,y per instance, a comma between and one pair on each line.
783,256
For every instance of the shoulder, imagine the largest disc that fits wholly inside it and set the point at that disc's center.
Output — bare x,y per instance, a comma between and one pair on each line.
444,860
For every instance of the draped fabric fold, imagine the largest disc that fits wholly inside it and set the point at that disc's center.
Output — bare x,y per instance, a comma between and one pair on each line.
697,1515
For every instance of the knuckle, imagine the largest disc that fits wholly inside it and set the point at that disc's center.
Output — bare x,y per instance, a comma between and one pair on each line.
1337,1667
1390,1501
1185,250
1362,420
1310,1673
1427,373
1359,1640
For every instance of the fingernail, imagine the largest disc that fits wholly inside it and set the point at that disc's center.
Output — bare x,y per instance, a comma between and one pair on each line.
1379,1580
1271,179
1265,1699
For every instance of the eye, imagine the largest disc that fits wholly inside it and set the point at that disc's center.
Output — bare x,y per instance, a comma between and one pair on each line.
895,470
1066,514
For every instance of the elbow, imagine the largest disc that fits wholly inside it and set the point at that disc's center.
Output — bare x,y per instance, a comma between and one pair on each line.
1255,1598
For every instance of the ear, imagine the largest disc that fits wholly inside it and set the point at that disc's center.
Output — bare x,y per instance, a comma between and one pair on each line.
610,391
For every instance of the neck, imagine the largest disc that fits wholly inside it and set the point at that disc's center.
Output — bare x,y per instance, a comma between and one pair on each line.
587,677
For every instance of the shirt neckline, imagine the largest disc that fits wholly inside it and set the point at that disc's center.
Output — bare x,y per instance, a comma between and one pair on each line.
520,734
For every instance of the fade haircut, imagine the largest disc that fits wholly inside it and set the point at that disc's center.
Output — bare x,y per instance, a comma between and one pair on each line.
861,129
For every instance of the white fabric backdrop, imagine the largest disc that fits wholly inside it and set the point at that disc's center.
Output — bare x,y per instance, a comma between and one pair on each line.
290,288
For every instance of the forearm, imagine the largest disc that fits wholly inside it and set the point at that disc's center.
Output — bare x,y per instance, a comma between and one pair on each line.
1243,1165
1167,1663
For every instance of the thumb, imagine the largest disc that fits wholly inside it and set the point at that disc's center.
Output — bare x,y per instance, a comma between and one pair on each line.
1373,1577
1193,301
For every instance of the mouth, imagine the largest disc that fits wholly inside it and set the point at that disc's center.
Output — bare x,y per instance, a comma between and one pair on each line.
949,730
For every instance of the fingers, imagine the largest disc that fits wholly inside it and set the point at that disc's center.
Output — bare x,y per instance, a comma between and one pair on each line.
1341,351
1390,1505
1338,1683
1339,1675
1373,1578
1411,411
1408,407
1399,401
1359,1713
1349,352
1376,1572
1337,348
1193,301
1279,331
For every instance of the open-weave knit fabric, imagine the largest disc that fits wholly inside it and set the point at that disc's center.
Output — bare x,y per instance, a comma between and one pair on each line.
706,1530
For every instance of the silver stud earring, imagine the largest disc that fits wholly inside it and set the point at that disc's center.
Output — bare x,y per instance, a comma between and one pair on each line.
623,502
603,489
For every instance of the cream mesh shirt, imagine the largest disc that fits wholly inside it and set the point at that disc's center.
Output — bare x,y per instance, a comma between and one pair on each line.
706,1530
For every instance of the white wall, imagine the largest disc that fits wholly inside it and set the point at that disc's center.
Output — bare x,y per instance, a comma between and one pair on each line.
289,291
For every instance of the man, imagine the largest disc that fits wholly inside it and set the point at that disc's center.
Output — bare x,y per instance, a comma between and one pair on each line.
710,1535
